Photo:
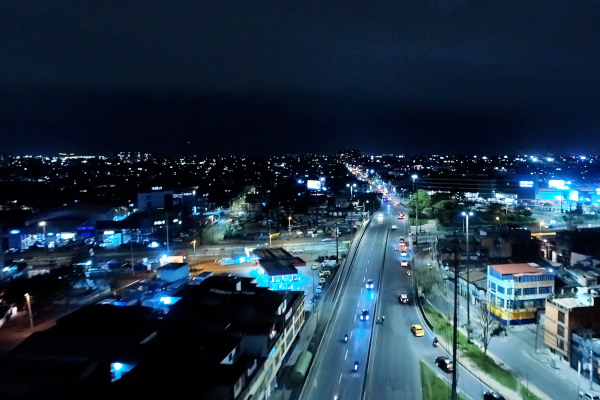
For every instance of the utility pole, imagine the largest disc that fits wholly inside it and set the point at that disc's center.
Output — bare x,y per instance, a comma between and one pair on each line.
537,324
131,242
337,254
167,225
455,327
591,369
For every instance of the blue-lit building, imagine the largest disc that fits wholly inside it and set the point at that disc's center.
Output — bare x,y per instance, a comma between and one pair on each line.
225,338
516,291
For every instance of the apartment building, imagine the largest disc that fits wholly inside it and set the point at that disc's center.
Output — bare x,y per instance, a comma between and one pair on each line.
516,292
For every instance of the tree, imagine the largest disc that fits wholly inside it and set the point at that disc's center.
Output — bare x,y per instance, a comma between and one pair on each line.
427,279
490,327
421,199
445,211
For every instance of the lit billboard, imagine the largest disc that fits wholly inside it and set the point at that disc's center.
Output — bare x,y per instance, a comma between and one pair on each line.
556,183
574,195
313,185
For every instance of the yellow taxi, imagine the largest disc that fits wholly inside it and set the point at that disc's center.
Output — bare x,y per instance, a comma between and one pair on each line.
417,330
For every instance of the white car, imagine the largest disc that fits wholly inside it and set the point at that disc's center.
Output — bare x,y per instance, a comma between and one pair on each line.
589,396
404,263
403,253
394,227
370,284
297,251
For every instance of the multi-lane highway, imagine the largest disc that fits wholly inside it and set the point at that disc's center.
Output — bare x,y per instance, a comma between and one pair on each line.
388,354
333,372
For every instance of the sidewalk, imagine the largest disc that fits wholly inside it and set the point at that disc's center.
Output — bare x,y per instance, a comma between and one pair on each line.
516,352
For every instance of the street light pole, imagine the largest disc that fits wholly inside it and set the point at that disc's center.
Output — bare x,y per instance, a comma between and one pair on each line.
43,225
28,298
194,244
290,227
466,215
416,212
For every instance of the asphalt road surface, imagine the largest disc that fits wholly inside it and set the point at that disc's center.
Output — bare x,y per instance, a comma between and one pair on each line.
388,354
333,369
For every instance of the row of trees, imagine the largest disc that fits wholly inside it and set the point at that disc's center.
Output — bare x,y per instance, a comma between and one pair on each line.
430,282
447,210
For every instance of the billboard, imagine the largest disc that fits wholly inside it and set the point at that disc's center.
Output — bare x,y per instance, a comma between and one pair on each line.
574,195
313,185
556,183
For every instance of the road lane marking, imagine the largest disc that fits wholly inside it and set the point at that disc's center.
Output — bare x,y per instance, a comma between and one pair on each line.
346,354
358,303
361,290
355,318
340,381
364,278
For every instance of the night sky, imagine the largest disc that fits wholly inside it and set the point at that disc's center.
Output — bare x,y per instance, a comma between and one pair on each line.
258,77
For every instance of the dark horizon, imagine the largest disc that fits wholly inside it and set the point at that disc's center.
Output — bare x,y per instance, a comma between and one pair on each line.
205,79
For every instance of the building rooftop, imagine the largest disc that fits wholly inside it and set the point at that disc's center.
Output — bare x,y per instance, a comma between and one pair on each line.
518,269
277,262
173,266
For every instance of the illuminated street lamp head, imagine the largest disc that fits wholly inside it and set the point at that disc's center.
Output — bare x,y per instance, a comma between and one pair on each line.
464,213
414,177
43,223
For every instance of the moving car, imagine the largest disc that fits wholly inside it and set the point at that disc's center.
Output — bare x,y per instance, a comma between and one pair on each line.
370,284
364,316
394,227
404,263
403,252
401,240
491,395
445,364
403,299
315,266
297,251
401,216
417,330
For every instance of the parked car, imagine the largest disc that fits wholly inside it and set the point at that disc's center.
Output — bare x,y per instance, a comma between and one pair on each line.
297,251
319,289
403,299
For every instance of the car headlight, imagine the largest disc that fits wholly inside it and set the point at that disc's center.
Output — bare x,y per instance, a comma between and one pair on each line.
367,317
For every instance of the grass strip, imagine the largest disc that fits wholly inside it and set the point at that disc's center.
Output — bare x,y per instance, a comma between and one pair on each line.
434,388
443,328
